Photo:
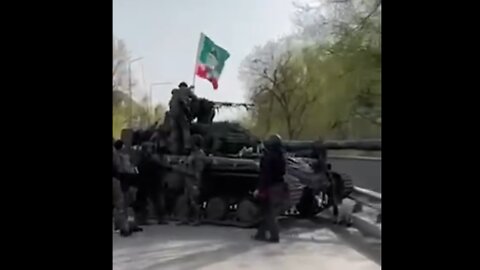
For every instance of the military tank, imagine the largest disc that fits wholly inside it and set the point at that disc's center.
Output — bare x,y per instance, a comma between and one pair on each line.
232,173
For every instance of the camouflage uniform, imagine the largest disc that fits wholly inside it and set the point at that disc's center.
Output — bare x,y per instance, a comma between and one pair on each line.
180,118
196,165
320,167
128,177
204,110
150,185
119,204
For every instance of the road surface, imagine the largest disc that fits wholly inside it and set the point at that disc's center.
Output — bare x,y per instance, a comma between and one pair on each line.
365,173
303,245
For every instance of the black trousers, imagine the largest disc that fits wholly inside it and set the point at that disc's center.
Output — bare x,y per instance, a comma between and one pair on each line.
270,208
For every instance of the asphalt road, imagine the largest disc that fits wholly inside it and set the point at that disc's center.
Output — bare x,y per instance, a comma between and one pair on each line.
303,245
365,173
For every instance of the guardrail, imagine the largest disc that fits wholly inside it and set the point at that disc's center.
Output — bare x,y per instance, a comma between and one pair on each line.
365,197
355,157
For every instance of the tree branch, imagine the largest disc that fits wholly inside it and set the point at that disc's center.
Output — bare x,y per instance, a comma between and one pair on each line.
370,14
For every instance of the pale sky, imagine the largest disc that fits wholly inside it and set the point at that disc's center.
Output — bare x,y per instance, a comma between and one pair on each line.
166,33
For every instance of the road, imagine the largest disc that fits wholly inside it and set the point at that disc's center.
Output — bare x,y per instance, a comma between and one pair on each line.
304,245
365,173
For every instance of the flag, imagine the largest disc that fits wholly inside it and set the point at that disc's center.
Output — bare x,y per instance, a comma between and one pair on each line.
210,60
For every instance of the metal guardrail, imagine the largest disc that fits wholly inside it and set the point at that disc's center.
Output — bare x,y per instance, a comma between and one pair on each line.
365,197
355,157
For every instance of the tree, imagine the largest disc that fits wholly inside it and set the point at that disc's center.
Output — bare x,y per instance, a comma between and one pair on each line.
145,116
124,107
120,57
279,83
344,44
327,84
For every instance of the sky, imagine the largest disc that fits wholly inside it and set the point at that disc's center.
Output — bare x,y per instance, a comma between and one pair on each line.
166,34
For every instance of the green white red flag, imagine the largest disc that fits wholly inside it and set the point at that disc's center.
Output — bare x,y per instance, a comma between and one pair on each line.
210,60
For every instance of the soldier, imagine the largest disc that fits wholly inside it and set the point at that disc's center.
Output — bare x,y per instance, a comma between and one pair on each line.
119,204
180,117
321,167
126,176
204,111
272,190
196,163
127,172
150,185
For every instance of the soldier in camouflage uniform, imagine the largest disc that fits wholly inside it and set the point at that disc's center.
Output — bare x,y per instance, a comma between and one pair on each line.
125,177
180,116
321,167
196,163
150,184
119,204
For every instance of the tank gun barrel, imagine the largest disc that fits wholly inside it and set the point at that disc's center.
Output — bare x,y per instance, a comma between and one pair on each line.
366,145
219,104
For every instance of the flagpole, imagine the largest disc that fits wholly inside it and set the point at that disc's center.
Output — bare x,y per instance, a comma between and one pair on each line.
196,58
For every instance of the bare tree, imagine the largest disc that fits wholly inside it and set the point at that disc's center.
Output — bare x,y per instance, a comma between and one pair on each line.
274,79
120,58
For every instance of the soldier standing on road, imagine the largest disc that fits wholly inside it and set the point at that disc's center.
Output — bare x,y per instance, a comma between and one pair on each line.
119,203
126,175
150,185
180,116
196,164
272,190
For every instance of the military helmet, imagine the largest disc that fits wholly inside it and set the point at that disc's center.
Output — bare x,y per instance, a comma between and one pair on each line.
273,142
118,144
183,84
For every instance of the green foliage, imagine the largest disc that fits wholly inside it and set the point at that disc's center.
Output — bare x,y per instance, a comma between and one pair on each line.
327,88
124,109
142,116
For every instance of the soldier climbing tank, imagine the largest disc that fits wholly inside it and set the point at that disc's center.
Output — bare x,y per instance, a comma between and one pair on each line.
232,170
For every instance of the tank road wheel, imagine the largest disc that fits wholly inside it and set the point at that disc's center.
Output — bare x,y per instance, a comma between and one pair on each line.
248,211
216,209
181,207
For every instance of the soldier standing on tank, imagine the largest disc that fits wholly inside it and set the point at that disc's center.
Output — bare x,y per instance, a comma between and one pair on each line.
196,163
272,190
180,116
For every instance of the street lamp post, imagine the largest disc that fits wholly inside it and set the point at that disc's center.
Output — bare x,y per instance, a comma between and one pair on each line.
130,88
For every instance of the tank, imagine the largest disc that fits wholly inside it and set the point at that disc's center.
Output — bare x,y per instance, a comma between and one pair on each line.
232,173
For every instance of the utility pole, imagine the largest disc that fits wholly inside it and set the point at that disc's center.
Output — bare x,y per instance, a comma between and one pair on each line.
130,88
